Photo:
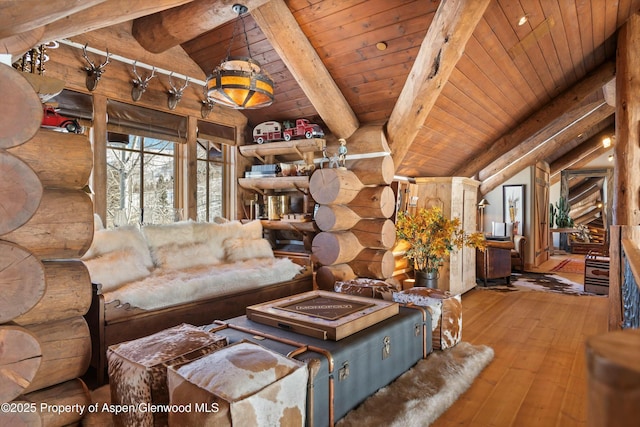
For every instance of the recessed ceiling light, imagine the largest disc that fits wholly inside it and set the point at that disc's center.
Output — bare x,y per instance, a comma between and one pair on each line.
523,20
381,45
606,142
610,157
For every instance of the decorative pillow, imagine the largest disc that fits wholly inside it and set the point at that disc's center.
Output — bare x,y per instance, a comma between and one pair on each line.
180,233
251,230
116,268
116,239
244,249
177,257
216,234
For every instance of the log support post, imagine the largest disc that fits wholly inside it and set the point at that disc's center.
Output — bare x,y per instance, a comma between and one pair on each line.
626,198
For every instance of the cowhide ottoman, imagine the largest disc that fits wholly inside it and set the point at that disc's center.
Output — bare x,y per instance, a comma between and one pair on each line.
363,287
445,310
243,384
138,370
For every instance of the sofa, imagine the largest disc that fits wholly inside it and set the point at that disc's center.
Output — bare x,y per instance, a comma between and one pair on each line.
158,276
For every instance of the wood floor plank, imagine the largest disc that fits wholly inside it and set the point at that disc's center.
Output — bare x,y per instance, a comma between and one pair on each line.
538,376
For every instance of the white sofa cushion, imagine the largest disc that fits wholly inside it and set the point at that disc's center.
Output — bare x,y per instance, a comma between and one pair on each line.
116,268
116,240
176,256
244,249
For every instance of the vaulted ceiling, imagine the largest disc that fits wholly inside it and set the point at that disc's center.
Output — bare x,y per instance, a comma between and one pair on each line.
460,86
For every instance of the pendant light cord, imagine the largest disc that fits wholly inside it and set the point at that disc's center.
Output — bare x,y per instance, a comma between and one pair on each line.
233,35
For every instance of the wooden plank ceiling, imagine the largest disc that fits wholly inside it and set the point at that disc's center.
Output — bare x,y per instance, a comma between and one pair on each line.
507,74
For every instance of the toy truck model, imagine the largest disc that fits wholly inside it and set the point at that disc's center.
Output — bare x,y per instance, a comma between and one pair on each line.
274,131
302,128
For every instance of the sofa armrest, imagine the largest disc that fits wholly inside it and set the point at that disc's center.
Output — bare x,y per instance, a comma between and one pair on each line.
518,242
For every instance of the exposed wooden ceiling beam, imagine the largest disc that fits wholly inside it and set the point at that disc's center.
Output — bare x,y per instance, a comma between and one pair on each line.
528,129
103,15
289,41
582,150
583,162
585,189
19,16
591,214
527,155
17,44
557,127
442,47
118,40
171,27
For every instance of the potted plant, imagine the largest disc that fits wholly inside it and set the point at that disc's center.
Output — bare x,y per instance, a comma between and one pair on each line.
431,237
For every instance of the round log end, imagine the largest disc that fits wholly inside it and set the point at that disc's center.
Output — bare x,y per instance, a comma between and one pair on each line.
20,357
22,191
326,248
334,186
328,275
22,281
20,109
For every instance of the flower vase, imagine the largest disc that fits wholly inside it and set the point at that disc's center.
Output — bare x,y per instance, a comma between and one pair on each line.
427,279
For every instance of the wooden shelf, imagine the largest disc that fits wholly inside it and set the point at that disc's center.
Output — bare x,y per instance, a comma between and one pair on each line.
279,148
275,183
307,226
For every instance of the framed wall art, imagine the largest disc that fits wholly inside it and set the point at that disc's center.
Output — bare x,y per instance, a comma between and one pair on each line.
513,207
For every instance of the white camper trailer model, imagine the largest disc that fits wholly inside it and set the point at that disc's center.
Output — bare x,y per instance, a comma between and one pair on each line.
267,131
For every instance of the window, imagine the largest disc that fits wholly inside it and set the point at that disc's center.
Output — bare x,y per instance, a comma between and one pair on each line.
140,181
210,180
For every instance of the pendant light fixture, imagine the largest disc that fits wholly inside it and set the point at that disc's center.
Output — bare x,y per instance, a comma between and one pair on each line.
240,82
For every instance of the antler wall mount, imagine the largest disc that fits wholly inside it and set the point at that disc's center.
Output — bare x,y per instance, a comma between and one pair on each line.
175,94
94,72
140,84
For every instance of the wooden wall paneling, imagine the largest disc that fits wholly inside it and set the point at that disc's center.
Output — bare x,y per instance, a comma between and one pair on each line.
67,64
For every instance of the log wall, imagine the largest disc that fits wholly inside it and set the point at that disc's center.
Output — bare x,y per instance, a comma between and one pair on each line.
46,226
356,203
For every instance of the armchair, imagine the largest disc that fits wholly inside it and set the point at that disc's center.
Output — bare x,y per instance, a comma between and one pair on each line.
517,253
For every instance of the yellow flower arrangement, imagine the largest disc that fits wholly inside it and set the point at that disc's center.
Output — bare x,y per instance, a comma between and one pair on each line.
432,237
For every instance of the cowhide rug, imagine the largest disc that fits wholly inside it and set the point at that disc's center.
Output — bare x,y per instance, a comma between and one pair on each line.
423,393
417,398
542,282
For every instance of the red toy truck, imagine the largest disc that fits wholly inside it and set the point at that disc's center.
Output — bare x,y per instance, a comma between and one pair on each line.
274,131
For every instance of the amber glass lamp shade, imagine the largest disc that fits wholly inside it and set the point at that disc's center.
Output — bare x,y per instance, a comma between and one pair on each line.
240,83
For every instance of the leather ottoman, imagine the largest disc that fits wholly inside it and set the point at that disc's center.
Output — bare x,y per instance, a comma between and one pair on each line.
445,310
138,370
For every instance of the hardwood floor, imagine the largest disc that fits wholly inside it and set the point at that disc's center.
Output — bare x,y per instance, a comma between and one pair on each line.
538,376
